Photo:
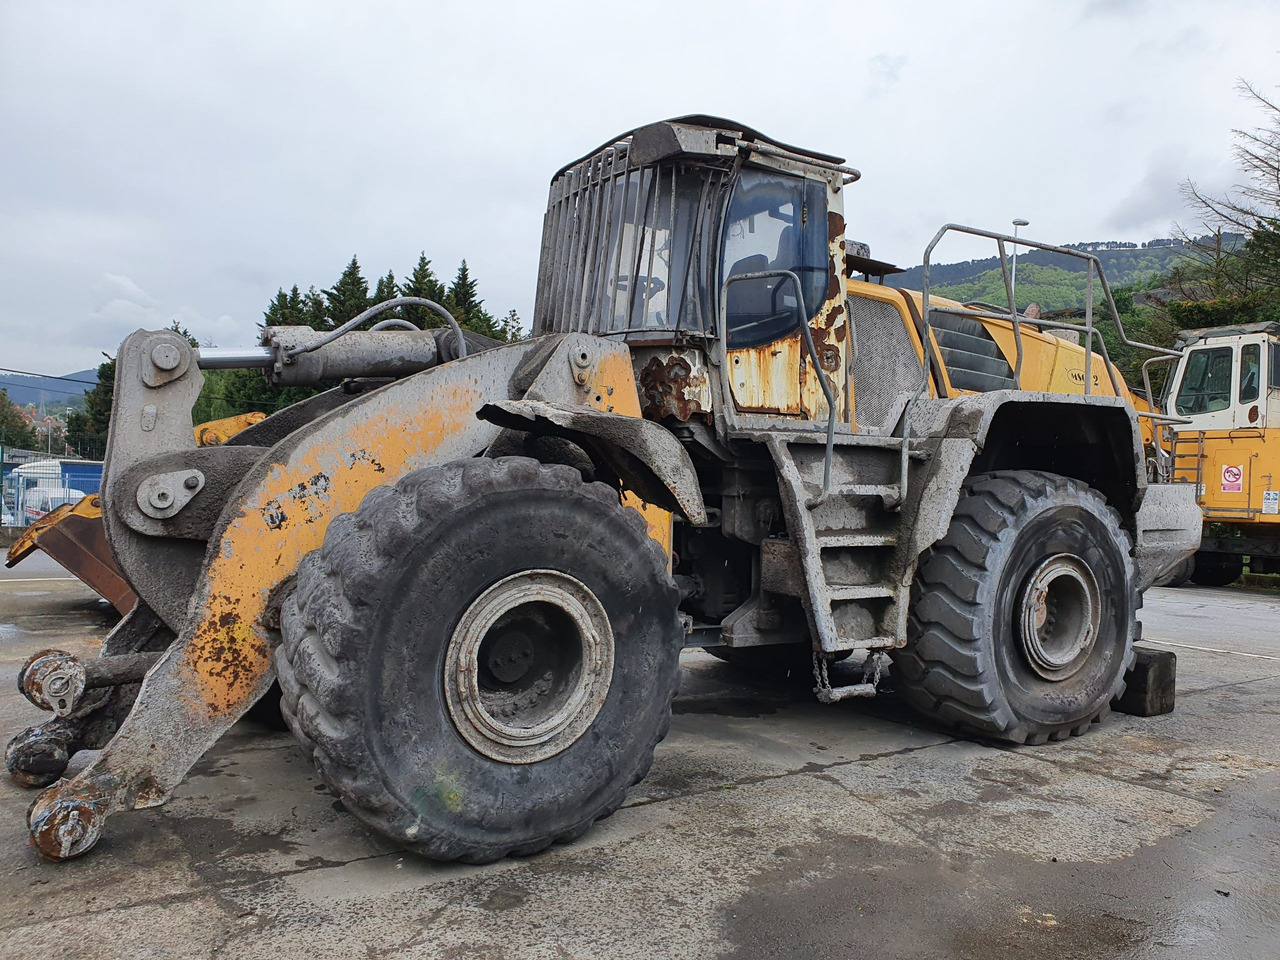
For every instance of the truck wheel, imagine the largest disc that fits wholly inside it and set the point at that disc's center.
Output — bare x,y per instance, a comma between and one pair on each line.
1217,569
481,659
1022,618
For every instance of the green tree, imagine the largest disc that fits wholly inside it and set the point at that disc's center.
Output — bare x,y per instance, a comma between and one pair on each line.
387,289
424,283
510,328
286,310
14,431
466,307
348,297
315,312
1223,283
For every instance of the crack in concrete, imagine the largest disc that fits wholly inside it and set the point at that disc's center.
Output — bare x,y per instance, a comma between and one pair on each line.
809,769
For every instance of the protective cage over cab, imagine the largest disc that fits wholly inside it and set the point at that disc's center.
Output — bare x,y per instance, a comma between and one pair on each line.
641,235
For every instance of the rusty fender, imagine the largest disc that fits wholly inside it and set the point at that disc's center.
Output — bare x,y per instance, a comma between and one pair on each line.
646,457
220,663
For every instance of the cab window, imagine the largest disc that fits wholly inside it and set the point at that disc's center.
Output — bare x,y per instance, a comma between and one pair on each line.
775,222
1206,384
1250,371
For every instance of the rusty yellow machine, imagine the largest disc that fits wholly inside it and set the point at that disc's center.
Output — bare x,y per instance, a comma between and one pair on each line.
1224,389
473,566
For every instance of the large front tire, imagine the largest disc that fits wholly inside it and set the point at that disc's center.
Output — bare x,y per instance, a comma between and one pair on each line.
481,659
1023,615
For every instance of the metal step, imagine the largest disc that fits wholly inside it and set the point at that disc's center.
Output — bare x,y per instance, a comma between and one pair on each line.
864,489
863,591
847,538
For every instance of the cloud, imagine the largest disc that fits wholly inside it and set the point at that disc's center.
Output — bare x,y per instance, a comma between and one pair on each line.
1113,8
887,68
126,288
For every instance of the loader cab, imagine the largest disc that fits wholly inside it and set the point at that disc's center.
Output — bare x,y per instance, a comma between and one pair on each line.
1228,379
709,248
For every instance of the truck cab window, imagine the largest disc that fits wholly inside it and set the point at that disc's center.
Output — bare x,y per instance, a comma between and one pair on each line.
1206,383
775,222
1250,371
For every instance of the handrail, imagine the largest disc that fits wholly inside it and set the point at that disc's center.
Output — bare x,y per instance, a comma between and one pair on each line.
813,355
1017,320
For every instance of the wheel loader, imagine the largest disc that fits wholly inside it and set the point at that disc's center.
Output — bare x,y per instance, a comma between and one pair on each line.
472,567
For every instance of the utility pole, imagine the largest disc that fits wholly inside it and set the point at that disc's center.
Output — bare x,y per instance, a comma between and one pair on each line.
1013,282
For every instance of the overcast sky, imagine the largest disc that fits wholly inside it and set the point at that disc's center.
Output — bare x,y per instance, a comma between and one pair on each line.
180,160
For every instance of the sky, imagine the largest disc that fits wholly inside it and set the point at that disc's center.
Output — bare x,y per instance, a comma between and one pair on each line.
164,161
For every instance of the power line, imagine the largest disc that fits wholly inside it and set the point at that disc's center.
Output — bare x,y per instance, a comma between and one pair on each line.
46,376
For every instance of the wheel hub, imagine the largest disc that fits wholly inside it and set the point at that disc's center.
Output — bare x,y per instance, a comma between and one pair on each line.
528,666
1059,616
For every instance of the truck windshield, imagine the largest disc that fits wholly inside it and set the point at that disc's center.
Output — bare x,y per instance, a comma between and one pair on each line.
1206,384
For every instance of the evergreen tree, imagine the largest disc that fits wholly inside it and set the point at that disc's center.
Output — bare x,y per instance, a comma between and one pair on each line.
348,297
315,312
466,307
97,401
511,329
387,289
286,310
424,283
14,431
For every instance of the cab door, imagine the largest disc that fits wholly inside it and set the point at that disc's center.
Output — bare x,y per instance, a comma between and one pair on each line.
1250,408
1206,387
780,222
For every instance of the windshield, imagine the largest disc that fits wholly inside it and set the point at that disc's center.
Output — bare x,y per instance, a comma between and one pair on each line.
1206,384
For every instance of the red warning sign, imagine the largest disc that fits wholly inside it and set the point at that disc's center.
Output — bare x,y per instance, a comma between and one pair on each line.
1233,479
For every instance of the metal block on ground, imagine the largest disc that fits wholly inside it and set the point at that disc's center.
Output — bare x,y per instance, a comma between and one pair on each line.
1151,682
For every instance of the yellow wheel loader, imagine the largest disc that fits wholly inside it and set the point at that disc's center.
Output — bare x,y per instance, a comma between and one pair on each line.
473,566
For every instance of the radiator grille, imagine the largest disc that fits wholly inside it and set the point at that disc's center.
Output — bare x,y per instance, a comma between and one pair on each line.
885,365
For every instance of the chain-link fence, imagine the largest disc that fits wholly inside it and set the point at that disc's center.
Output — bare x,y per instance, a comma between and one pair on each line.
33,483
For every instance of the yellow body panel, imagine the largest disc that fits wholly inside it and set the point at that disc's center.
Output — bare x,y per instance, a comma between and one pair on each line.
1049,363
214,433
287,516
1237,468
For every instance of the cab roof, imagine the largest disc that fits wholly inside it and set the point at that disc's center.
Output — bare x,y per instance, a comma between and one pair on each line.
730,128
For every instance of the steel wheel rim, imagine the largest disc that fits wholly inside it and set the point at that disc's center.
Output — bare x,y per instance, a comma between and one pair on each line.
1060,614
528,666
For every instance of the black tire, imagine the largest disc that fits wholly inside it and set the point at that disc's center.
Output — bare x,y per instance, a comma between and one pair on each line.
365,639
1179,575
964,662
1217,569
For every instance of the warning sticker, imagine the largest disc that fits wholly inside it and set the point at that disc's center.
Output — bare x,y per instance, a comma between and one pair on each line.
1271,501
1232,479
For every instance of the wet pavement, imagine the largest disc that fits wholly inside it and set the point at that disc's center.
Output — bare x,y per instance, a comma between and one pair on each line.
770,826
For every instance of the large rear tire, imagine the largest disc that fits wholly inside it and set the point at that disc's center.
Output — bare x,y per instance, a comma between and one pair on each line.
1023,615
481,659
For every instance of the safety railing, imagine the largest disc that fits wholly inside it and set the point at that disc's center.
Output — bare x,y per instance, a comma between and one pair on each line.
1016,320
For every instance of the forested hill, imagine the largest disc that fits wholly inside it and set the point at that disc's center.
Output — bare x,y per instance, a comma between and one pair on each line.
1054,280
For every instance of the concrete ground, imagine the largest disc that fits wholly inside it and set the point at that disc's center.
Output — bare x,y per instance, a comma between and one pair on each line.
770,826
